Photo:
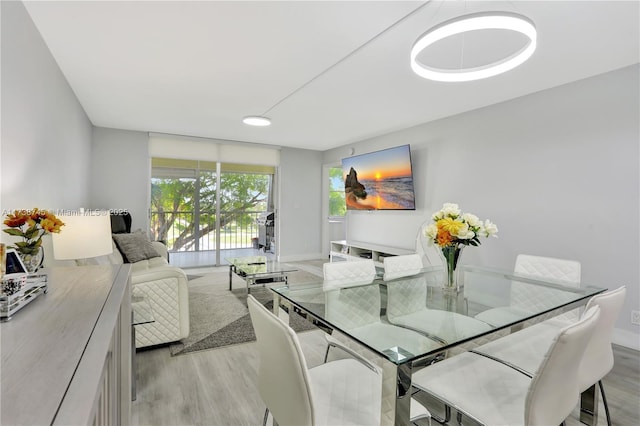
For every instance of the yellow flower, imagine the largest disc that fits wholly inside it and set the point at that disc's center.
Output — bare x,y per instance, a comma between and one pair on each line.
31,226
49,225
450,225
452,228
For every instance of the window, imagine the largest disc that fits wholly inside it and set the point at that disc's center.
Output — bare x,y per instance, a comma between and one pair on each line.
190,214
337,205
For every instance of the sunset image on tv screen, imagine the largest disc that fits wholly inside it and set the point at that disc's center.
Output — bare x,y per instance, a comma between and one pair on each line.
381,180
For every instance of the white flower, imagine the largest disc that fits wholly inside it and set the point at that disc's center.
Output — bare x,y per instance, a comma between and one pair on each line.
472,220
490,228
465,233
453,227
450,209
430,232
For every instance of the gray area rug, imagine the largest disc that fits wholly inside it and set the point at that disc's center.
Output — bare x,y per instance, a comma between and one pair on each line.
219,317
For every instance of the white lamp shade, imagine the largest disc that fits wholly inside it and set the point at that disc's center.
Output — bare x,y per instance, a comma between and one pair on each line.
83,236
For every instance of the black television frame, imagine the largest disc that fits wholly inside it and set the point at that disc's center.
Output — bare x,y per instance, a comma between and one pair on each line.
353,192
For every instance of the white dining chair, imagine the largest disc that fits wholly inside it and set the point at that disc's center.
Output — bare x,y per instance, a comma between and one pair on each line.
598,359
525,350
341,392
401,266
343,274
493,393
407,291
357,311
522,298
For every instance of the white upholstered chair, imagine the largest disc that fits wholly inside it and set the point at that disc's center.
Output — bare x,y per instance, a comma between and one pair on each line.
493,393
407,304
357,309
342,392
564,272
401,266
341,274
525,350
598,359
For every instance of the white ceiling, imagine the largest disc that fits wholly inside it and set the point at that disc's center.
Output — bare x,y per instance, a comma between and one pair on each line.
328,73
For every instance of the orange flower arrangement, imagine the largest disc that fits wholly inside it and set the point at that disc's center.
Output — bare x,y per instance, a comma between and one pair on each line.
31,225
453,230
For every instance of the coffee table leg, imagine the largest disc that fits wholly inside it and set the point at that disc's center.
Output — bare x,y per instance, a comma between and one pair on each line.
249,283
230,275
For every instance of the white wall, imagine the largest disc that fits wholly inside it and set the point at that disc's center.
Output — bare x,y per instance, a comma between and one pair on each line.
120,179
121,173
557,171
300,209
46,135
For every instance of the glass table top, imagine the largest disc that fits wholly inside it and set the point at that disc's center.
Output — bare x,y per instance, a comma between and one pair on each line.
258,265
411,318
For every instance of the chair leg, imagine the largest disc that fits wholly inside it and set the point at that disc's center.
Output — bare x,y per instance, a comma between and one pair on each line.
589,406
414,422
447,416
604,401
326,353
266,416
447,409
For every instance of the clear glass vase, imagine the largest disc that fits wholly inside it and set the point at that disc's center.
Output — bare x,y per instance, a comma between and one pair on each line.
33,261
451,258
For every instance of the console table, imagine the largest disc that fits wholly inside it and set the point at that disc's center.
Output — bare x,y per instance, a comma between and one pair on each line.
355,250
66,357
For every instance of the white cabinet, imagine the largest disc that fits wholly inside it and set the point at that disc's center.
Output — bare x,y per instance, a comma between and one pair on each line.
355,250
66,357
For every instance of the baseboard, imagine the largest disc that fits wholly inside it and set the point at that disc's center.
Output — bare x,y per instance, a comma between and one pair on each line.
302,257
626,338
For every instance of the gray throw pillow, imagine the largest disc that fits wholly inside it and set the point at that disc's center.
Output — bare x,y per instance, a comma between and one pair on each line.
135,247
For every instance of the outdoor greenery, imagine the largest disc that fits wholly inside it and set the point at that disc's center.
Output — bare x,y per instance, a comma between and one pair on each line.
337,206
174,202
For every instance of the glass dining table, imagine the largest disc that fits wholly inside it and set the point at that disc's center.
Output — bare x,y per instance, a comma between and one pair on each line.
431,323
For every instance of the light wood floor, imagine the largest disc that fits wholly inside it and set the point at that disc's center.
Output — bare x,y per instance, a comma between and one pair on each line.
217,387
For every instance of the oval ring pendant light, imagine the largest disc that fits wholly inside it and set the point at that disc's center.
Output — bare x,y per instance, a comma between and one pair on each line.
473,22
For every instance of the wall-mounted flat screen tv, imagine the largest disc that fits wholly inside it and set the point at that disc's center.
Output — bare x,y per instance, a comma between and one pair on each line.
380,180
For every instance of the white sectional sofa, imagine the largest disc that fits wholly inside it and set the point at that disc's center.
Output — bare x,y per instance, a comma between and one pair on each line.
164,288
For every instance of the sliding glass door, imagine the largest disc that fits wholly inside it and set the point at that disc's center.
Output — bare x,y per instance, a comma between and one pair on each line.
192,216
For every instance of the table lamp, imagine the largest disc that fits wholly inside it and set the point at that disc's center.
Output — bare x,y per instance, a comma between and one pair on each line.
84,235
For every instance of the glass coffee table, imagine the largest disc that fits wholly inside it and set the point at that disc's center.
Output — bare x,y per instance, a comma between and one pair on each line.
258,270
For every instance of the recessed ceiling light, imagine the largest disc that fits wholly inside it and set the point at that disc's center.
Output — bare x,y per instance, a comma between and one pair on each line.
255,120
473,22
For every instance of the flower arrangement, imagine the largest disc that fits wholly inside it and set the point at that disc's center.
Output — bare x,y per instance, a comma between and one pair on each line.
451,227
451,231
31,225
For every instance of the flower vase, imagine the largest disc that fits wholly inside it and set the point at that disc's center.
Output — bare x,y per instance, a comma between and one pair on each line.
451,257
33,261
